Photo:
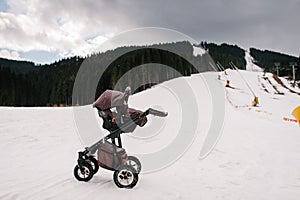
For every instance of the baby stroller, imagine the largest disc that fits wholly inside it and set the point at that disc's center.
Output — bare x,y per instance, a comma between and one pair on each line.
117,118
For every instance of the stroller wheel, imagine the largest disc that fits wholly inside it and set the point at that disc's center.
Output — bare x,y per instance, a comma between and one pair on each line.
83,173
126,177
135,163
94,163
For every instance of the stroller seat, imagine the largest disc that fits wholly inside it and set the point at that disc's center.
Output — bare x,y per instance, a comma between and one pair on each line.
108,122
112,122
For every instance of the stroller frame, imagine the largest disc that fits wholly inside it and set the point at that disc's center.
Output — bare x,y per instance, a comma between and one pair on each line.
87,164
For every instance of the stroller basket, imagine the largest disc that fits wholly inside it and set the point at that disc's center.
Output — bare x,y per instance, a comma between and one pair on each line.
110,156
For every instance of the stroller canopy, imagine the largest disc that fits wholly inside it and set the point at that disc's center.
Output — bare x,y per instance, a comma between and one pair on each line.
110,99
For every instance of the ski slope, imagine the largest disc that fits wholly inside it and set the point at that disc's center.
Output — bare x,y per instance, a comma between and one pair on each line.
198,51
250,66
257,156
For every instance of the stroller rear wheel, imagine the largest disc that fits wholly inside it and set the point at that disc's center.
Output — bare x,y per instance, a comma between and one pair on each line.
83,172
126,177
135,163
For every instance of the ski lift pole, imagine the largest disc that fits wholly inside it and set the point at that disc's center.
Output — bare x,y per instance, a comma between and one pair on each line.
293,65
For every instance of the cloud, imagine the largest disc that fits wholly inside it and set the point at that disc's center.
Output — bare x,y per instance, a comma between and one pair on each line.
268,24
65,26
4,53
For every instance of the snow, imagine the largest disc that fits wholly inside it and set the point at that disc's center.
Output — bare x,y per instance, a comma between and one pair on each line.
257,156
250,66
288,84
198,51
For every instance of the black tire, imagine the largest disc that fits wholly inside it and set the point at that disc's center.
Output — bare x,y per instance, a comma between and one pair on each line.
83,173
94,163
126,177
135,163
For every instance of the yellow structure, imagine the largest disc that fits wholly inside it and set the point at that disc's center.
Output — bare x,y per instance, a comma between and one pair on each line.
296,113
255,101
227,83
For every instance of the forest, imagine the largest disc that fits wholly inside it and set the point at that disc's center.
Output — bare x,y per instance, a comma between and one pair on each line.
268,60
24,83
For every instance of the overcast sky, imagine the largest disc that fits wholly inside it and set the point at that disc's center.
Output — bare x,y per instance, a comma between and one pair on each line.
43,31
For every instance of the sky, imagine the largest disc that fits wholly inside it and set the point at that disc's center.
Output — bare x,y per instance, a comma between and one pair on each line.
44,31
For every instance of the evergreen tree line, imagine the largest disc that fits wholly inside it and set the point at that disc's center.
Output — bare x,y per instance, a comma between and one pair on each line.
52,84
18,67
25,84
269,59
146,77
42,86
225,53
266,59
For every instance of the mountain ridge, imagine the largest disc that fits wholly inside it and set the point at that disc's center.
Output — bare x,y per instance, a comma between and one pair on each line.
50,84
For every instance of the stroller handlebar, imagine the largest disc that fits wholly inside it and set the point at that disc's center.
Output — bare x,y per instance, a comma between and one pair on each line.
157,112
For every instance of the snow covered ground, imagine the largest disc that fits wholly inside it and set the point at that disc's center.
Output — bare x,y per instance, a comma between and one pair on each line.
257,157
198,51
250,66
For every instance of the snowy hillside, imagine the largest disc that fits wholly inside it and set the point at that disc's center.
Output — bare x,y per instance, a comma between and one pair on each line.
250,66
198,51
257,156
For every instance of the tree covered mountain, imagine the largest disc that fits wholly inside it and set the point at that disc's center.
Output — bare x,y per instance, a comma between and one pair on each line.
226,53
38,86
50,84
268,59
18,67
25,84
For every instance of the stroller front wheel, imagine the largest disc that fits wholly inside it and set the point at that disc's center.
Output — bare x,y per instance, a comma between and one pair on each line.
126,177
83,172
94,163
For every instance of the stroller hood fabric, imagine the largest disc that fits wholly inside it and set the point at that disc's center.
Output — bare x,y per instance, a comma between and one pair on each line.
112,98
